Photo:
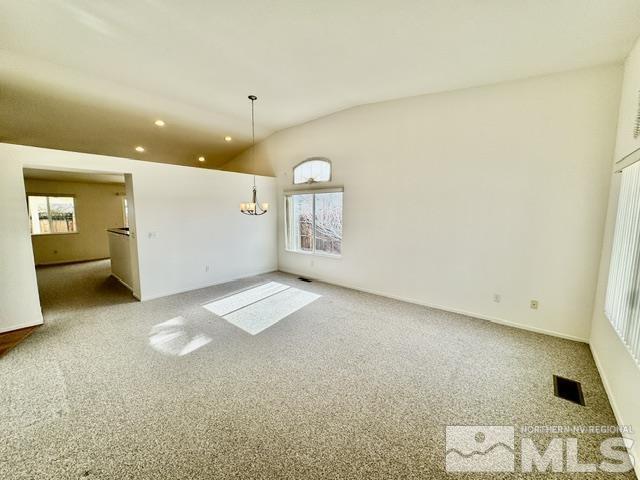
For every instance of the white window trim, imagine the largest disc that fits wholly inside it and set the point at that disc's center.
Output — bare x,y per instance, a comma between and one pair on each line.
54,233
303,191
312,191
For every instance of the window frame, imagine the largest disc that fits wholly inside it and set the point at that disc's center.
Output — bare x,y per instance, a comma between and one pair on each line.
47,196
314,192
312,182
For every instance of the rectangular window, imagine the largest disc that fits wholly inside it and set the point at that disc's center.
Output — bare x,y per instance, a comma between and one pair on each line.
125,212
622,306
51,214
314,222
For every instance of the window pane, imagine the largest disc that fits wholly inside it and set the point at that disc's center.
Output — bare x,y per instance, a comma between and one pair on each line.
125,211
302,173
62,215
328,232
320,171
312,171
38,216
300,222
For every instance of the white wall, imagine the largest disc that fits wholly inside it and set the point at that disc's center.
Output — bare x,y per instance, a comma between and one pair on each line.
450,198
186,218
619,372
98,206
625,143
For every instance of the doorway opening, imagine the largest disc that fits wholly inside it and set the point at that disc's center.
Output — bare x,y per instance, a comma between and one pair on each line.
83,238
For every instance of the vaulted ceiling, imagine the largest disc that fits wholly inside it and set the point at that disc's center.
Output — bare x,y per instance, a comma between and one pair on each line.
93,76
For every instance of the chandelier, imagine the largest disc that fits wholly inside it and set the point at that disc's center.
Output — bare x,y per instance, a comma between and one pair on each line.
253,207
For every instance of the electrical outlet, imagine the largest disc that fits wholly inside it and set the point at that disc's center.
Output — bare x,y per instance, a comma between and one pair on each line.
497,297
533,304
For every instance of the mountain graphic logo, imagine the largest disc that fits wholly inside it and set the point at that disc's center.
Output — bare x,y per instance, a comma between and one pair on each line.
480,448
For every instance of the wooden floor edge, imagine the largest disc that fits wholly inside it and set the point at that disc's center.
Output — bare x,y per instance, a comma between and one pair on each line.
8,340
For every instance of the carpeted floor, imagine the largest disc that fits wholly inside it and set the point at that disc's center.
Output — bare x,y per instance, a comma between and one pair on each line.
351,386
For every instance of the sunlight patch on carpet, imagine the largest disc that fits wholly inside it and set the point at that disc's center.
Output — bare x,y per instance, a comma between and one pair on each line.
258,308
236,301
172,338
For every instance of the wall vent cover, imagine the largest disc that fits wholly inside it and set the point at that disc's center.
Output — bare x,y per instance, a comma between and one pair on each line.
636,128
568,390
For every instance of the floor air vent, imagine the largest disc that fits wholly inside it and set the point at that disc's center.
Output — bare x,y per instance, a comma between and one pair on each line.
568,390
304,279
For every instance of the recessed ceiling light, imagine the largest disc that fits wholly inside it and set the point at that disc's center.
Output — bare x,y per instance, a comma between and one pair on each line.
140,149
159,123
201,159
227,138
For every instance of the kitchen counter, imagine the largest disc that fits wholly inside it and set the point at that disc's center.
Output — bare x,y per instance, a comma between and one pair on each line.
120,231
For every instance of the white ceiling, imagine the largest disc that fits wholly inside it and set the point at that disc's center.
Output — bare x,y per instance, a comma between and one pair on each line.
192,63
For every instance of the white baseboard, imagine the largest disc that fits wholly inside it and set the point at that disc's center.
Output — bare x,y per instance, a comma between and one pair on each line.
125,284
612,400
146,298
445,308
607,387
529,328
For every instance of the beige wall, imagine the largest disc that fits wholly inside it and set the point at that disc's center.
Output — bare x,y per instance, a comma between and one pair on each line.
450,198
620,374
98,207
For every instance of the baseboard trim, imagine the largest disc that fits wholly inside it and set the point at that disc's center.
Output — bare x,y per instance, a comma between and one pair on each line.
553,333
612,401
607,386
70,262
145,298
125,284
445,308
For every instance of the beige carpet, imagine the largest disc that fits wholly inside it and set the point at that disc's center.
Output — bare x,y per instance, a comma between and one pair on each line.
350,386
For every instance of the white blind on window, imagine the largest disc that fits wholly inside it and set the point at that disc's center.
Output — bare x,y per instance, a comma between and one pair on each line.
622,301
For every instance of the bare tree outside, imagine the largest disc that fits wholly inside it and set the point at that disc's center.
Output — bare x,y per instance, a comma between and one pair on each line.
321,232
328,231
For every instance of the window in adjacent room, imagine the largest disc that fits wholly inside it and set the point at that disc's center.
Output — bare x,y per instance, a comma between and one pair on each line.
125,212
314,222
622,303
52,214
312,170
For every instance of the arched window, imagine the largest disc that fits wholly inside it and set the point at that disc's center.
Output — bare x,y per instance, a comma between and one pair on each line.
312,170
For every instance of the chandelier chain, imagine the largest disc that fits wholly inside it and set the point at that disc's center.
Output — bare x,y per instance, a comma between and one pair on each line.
253,207
253,140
